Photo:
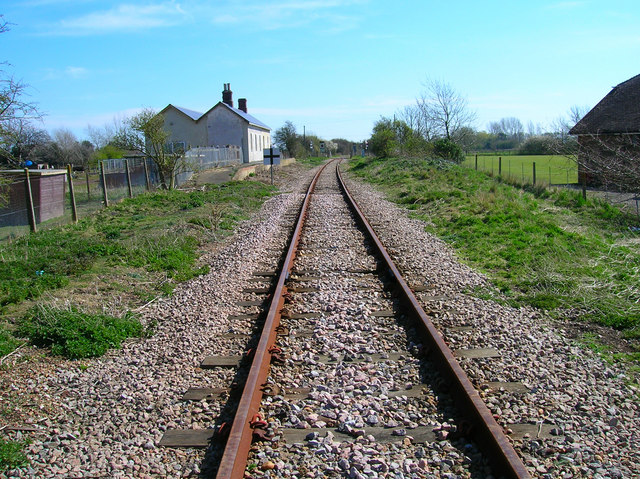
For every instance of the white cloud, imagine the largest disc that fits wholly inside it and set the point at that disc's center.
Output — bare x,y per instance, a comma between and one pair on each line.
125,17
288,14
70,72
76,72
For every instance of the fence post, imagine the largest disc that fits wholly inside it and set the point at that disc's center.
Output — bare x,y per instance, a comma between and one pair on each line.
476,162
147,181
534,173
499,166
126,166
86,174
30,211
74,211
104,185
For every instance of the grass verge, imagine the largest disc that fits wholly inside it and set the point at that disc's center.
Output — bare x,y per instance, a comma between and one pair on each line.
546,248
136,249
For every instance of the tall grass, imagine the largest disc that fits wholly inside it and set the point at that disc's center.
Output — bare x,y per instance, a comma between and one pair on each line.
550,249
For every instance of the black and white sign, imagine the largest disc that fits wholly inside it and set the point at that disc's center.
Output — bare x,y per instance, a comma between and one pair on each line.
271,156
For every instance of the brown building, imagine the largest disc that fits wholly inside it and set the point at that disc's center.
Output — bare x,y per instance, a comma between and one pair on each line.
609,139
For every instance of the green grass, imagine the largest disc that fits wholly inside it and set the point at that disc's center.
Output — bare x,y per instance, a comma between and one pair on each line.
158,232
74,334
544,248
550,169
11,454
7,342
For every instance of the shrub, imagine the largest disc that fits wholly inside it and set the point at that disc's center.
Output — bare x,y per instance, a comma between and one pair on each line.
448,150
75,334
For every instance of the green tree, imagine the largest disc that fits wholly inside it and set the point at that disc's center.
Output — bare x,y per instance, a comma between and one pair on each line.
286,138
383,139
145,133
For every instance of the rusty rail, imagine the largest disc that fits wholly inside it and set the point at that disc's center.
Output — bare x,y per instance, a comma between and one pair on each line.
234,459
487,432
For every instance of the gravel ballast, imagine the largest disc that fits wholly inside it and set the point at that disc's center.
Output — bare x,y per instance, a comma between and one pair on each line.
105,417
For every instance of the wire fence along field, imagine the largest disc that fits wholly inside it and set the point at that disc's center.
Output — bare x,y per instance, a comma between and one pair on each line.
36,199
549,169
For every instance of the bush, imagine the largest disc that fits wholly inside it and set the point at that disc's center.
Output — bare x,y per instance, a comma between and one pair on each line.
538,145
448,150
74,334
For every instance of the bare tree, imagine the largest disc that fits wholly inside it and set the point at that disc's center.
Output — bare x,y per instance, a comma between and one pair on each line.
13,103
145,133
20,142
72,151
510,127
609,161
445,111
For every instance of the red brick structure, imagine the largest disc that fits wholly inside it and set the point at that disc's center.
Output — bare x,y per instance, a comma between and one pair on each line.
609,138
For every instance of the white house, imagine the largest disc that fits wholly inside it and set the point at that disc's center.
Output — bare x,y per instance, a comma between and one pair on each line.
220,126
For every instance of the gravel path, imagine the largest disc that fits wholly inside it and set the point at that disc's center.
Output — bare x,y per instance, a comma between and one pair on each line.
104,418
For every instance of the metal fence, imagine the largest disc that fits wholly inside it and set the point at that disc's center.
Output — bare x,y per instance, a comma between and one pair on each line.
37,199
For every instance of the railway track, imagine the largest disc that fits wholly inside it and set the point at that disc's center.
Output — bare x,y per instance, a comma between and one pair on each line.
347,376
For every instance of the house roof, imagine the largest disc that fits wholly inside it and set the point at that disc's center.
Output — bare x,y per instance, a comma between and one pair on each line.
250,119
617,112
195,115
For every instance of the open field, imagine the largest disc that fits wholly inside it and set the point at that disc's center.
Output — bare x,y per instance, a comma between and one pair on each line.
550,169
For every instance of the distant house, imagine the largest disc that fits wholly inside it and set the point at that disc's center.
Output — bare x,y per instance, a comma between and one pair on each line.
220,126
609,136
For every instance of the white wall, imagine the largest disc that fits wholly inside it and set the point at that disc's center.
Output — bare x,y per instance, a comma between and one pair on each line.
183,128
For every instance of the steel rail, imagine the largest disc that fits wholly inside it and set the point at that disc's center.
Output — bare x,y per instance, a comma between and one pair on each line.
234,459
490,436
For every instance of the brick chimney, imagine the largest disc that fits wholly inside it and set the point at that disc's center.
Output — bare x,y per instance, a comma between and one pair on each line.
227,95
242,104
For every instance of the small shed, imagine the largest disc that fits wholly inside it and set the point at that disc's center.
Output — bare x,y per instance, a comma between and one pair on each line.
48,188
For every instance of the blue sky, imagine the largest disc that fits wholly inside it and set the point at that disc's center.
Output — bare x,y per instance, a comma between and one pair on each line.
333,66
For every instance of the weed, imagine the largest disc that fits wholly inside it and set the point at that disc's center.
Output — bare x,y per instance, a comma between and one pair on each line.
11,454
7,342
74,334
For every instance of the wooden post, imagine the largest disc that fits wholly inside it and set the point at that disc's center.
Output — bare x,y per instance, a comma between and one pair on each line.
499,166
86,174
476,162
147,181
74,211
29,196
104,185
126,167
534,173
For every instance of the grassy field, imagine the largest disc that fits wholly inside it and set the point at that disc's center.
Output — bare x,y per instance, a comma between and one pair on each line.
550,249
550,169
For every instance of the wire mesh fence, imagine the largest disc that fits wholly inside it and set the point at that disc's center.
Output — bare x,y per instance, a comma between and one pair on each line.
38,199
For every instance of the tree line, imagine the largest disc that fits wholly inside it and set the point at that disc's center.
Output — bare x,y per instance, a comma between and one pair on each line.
297,145
440,125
